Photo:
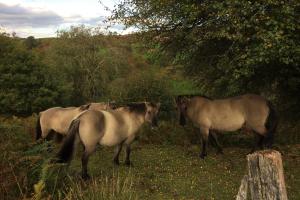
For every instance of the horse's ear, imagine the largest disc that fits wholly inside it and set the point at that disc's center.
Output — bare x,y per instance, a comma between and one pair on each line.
85,107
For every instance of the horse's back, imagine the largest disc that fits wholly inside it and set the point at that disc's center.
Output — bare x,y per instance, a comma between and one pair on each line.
58,118
98,106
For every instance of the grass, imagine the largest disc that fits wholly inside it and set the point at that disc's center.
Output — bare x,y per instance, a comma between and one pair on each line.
163,171
175,172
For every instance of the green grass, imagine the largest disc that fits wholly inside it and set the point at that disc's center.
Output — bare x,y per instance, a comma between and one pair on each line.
158,172
174,172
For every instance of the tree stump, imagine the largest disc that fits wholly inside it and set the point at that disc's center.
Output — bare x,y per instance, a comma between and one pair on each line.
264,179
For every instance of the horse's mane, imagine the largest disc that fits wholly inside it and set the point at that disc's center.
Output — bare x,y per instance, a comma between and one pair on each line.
139,107
193,95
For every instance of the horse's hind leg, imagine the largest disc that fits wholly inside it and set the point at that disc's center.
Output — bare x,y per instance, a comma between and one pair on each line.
128,150
117,153
215,139
59,138
84,161
49,136
258,142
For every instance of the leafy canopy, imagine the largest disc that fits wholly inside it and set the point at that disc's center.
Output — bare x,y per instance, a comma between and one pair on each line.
228,47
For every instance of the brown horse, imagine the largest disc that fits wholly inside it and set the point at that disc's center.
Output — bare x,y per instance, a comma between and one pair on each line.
249,111
108,128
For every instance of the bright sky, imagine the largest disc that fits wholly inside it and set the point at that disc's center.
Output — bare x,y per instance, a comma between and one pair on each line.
42,18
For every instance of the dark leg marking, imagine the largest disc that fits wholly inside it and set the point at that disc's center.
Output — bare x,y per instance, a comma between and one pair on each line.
204,146
127,160
117,153
84,161
215,139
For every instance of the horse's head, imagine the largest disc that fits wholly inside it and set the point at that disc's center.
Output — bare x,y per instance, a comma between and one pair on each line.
151,113
181,102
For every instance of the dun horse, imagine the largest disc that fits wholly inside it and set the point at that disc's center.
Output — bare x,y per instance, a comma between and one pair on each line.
109,128
249,111
57,120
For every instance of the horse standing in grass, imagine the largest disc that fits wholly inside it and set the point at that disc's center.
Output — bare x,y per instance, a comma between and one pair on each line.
108,128
57,120
249,111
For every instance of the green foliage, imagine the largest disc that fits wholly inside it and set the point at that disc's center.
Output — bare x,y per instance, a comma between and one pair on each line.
228,47
75,54
143,86
26,85
31,42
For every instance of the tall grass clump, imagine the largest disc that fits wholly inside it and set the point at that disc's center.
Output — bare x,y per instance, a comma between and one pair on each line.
106,188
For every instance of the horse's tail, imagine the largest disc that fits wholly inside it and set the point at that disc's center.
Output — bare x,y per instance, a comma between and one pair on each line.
38,129
271,125
65,153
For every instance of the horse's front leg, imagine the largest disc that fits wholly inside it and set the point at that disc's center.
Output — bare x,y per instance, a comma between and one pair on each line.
117,153
204,133
128,150
215,139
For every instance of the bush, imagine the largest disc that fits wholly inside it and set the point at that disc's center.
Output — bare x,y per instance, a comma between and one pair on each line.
144,86
26,84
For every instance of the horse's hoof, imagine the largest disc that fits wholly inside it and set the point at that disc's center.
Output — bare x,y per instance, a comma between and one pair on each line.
116,162
85,177
128,164
202,156
220,152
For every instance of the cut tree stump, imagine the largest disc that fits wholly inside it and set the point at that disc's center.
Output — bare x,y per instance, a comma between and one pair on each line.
264,179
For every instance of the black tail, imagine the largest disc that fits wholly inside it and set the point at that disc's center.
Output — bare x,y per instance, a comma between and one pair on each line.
38,129
271,125
66,151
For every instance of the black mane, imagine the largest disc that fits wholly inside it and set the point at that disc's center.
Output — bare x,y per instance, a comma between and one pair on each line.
193,95
137,107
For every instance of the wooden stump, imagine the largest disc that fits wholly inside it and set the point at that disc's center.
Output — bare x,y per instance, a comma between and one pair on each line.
264,178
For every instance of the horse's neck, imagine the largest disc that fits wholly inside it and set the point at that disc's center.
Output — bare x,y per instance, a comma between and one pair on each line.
195,106
135,120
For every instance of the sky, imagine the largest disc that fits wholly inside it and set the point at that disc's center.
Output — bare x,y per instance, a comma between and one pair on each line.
42,18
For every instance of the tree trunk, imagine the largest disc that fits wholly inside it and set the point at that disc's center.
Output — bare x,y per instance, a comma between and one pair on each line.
265,178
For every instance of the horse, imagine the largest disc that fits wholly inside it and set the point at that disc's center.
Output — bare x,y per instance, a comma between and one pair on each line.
56,121
249,111
109,128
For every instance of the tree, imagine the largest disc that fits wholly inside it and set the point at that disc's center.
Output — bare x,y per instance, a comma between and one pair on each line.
76,55
228,47
25,84
31,42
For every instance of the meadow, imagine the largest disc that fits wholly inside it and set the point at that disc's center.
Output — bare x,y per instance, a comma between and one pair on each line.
160,170
195,53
